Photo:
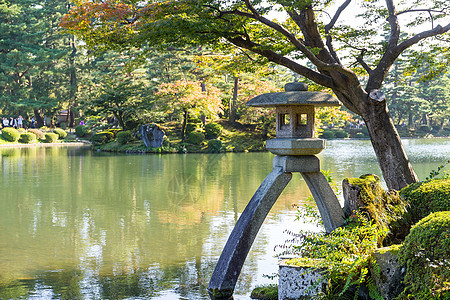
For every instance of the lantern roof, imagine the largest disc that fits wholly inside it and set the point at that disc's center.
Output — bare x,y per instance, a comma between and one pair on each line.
294,98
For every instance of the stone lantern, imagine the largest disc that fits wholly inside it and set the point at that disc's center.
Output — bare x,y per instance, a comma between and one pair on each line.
295,119
295,147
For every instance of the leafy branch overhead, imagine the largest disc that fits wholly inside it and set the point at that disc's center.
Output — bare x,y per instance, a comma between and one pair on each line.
340,45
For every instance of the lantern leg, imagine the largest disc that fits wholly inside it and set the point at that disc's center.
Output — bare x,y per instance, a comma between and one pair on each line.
329,208
228,268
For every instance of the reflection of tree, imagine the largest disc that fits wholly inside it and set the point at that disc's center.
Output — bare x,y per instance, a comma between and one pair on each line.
92,216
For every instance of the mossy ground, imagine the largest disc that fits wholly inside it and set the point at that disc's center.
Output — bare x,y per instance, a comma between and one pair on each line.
234,137
266,292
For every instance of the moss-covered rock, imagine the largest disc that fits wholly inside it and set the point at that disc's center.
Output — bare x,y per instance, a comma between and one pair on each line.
387,272
386,209
426,253
426,197
266,292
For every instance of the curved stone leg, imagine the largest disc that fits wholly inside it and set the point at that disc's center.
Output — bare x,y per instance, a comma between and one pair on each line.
330,210
228,268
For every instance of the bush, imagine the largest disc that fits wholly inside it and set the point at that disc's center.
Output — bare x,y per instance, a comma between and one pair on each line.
214,146
81,130
213,130
102,137
360,135
39,134
50,137
63,125
190,127
10,134
340,134
196,137
124,137
426,253
61,133
424,128
426,197
27,138
327,134
114,131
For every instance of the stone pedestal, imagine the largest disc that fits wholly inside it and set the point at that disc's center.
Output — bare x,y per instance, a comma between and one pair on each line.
299,282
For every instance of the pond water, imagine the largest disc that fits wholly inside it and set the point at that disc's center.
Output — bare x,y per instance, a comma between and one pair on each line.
77,224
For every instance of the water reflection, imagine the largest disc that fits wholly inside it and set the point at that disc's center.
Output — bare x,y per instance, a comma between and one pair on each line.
76,224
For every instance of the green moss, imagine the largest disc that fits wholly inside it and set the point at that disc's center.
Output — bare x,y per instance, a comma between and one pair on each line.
394,249
426,253
305,262
266,292
427,197
386,209
220,294
364,179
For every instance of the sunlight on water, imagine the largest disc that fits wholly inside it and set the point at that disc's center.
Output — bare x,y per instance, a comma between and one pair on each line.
76,224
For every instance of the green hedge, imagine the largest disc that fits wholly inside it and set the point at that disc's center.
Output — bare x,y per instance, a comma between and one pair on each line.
39,133
50,137
124,137
114,131
61,133
196,137
81,130
327,134
427,197
190,127
27,138
102,137
426,254
213,130
214,146
10,134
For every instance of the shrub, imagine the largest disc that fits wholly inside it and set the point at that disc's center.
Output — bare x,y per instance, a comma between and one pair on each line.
10,134
61,133
63,125
426,253
426,197
39,134
124,137
81,130
114,131
360,135
27,138
190,127
102,137
50,137
340,134
213,130
424,128
196,137
214,146
327,134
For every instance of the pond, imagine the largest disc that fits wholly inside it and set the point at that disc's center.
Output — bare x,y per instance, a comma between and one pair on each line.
77,224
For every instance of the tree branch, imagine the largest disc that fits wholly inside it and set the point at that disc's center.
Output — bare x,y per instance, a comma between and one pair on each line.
425,34
336,16
282,60
361,61
393,22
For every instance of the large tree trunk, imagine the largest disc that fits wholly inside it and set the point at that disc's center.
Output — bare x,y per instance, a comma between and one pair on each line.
395,166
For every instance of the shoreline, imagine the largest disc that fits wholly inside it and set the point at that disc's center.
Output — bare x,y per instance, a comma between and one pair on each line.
18,145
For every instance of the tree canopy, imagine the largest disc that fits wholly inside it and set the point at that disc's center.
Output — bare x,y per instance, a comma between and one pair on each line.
347,47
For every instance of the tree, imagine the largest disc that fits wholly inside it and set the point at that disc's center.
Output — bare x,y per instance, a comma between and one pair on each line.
188,98
308,34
